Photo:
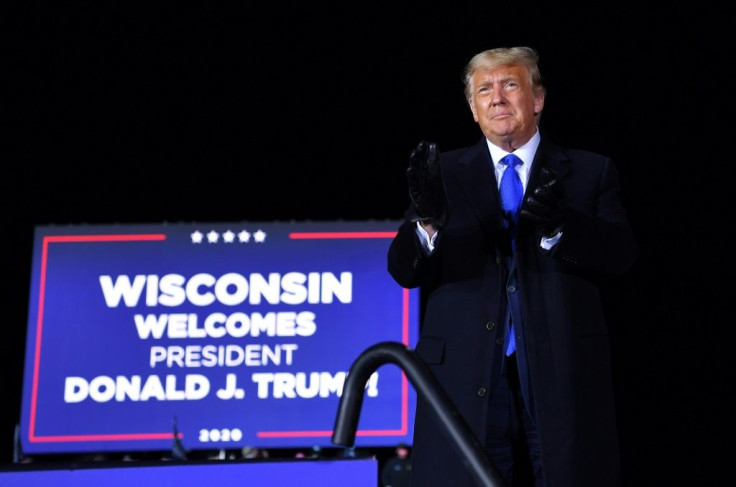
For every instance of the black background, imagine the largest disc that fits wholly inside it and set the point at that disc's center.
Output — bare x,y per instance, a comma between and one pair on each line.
151,112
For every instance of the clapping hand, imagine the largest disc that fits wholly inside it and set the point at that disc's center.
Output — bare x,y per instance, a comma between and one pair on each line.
546,207
425,185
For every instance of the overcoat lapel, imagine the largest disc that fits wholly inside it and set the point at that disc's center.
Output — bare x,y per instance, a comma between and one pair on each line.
552,157
476,165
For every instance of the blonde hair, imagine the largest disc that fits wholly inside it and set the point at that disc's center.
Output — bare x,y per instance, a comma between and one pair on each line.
502,56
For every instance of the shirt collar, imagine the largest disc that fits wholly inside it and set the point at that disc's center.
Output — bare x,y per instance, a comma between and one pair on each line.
525,152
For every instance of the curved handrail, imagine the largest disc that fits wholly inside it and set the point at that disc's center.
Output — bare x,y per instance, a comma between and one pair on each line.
348,412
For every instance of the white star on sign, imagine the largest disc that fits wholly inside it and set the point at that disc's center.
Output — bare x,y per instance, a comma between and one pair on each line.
228,237
244,236
259,236
212,236
196,237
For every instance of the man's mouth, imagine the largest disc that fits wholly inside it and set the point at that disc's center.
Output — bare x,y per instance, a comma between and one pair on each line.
500,115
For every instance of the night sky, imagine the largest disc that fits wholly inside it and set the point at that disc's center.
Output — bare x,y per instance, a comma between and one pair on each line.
144,112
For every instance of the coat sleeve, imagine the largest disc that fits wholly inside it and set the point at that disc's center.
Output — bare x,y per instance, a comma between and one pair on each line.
407,260
601,240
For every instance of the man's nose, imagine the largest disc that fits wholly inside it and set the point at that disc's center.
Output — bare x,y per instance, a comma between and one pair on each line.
497,98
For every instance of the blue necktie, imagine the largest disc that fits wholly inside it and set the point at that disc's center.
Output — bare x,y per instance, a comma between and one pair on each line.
511,191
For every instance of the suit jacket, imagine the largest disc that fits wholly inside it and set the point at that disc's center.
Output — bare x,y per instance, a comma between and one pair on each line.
463,286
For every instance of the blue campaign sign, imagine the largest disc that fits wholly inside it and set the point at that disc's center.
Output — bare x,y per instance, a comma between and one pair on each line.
304,473
232,334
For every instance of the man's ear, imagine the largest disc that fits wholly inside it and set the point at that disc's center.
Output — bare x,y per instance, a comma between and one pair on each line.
538,100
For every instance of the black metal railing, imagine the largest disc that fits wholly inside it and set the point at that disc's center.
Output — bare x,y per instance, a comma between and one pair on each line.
346,423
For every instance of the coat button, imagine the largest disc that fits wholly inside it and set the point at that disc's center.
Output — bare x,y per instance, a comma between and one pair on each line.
511,288
482,391
490,325
499,341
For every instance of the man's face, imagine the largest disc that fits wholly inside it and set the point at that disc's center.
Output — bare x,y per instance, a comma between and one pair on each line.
504,105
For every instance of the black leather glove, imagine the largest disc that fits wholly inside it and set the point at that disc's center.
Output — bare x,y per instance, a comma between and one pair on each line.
425,185
546,207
